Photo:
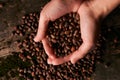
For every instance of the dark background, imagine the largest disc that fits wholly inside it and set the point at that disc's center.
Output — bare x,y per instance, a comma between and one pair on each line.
11,12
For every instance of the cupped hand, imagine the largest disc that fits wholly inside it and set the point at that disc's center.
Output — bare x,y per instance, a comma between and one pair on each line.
90,12
88,25
53,10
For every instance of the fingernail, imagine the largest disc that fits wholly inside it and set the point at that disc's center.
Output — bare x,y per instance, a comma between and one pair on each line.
49,61
52,56
73,61
35,39
55,64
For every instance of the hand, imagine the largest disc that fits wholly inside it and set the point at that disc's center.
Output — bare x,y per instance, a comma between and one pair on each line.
90,12
53,10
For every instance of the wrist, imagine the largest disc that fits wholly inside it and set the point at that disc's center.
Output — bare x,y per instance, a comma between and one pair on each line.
103,8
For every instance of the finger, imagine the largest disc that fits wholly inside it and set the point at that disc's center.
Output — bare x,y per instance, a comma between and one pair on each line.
42,27
48,13
88,25
49,60
53,10
56,61
49,51
59,61
80,53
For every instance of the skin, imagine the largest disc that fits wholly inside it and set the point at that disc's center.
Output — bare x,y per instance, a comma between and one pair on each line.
91,13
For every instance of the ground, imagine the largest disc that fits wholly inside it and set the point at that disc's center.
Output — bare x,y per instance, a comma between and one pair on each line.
11,12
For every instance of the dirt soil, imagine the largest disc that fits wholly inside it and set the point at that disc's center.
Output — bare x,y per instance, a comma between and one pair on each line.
11,12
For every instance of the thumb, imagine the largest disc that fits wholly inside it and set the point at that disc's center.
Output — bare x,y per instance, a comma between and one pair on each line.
42,27
80,53
75,56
